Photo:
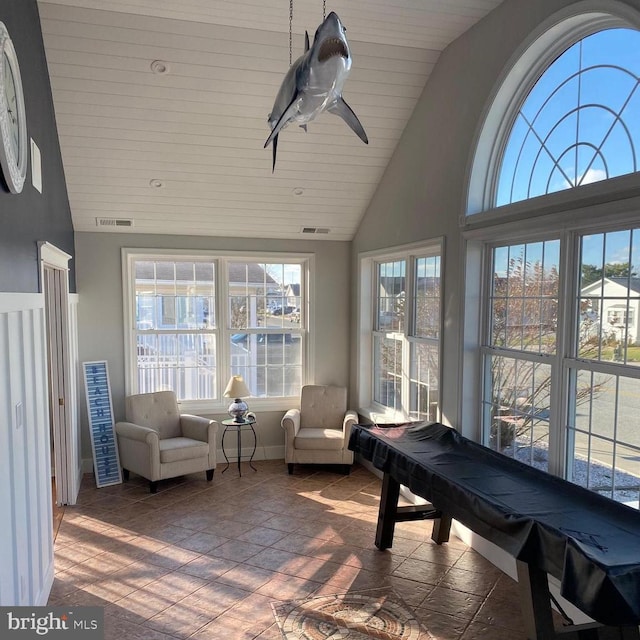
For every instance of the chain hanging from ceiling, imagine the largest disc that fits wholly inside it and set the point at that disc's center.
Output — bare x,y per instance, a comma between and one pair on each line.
290,31
324,17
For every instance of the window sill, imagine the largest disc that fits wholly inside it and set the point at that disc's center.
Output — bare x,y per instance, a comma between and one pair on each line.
382,415
215,407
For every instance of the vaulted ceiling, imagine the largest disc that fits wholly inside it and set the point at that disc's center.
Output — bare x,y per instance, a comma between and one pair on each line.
182,152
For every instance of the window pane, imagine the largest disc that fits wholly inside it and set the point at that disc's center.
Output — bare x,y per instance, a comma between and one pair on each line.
265,301
387,356
184,363
176,347
609,300
517,409
524,298
270,363
406,335
568,131
423,386
390,296
604,435
427,297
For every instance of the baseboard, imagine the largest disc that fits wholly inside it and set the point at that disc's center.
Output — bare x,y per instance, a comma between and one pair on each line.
275,452
261,453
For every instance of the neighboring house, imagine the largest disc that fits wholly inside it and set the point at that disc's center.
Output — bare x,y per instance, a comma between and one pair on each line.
179,298
292,295
614,302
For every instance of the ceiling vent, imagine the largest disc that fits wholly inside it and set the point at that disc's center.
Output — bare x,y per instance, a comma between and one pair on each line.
114,222
315,230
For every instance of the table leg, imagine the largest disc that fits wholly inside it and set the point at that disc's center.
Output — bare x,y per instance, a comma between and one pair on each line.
535,602
255,446
224,433
387,512
239,451
441,528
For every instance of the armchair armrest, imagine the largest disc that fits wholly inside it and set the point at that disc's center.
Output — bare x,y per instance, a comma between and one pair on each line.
137,432
198,428
291,423
350,418
139,449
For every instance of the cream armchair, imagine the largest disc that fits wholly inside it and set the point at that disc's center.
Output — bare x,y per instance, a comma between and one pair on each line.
318,432
156,442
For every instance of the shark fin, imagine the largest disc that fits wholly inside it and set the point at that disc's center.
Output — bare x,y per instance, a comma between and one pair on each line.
275,147
304,126
306,41
342,109
284,118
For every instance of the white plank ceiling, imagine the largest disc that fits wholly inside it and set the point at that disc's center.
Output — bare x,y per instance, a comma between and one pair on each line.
199,129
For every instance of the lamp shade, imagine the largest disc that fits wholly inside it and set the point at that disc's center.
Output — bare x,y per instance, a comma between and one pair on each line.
236,388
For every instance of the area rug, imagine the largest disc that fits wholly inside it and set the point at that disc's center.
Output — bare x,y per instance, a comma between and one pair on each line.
375,613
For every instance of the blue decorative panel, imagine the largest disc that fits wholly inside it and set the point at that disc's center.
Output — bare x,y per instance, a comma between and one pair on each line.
106,462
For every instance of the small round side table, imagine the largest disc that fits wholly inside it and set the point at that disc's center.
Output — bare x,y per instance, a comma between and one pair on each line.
239,427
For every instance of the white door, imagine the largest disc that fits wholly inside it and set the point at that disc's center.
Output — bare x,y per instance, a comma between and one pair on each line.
55,285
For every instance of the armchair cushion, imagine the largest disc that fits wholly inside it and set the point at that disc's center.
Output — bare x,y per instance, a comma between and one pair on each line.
176,449
322,439
322,406
158,411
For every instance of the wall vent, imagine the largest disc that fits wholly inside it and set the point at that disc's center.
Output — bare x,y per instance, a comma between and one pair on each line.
315,230
114,222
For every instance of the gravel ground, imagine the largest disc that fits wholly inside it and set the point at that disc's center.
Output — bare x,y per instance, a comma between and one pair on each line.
597,476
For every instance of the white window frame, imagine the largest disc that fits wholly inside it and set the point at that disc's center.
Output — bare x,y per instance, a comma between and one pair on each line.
478,245
553,37
367,297
222,330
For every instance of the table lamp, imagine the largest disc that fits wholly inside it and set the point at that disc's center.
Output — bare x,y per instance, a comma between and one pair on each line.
236,388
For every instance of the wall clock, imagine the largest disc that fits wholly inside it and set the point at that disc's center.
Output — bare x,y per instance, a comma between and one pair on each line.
13,123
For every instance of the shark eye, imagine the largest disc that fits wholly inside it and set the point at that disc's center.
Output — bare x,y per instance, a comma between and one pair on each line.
344,29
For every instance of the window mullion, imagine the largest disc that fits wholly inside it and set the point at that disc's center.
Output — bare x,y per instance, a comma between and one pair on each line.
409,330
223,325
565,345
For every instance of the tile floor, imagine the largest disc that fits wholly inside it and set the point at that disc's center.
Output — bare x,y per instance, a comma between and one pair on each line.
205,560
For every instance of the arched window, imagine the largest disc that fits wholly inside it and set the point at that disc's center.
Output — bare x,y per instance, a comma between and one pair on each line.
552,341
579,123
564,115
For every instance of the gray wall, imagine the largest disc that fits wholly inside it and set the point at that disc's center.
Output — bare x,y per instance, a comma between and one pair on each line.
422,192
26,541
100,312
30,216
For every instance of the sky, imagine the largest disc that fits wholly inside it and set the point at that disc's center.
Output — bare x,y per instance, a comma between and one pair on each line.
285,273
580,122
617,247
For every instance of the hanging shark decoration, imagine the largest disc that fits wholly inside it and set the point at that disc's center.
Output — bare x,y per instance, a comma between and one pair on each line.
314,84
